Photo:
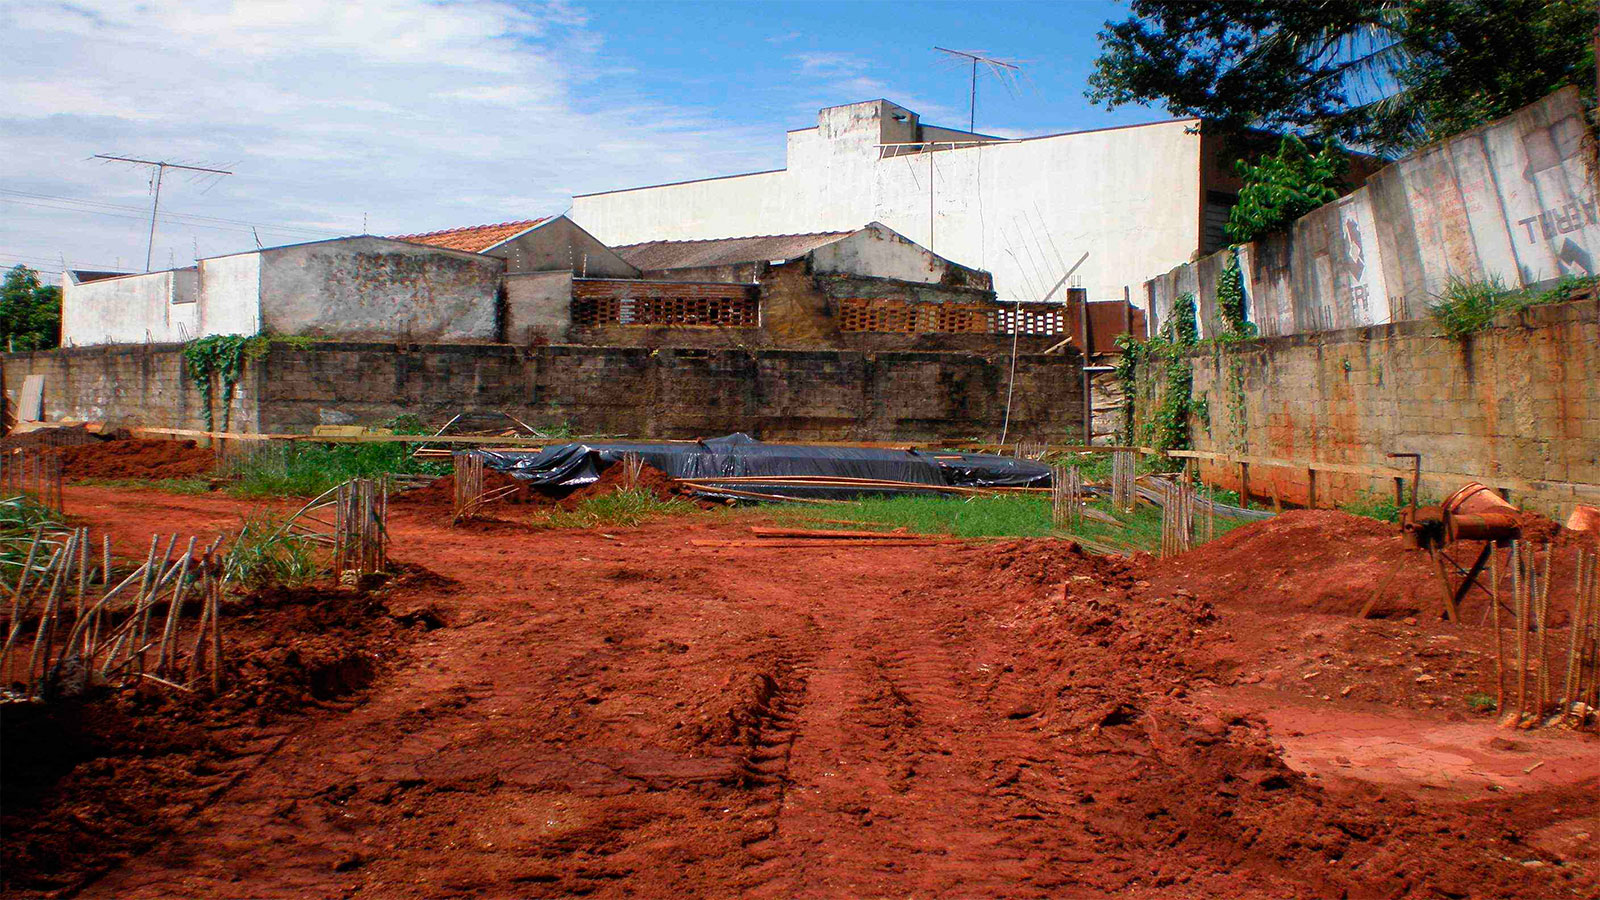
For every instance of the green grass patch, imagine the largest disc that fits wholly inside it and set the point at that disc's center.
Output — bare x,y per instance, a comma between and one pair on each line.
1481,701
619,509
292,469
1373,506
198,484
995,516
20,518
1467,307
262,556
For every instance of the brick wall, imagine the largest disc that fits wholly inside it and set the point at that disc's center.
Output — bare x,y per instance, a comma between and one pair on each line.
673,392
1517,405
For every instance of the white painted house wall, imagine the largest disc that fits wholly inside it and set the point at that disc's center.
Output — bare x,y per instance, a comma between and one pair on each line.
1025,210
155,307
230,294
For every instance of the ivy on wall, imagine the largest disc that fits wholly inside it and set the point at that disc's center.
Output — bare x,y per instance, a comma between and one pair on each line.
219,359
1156,376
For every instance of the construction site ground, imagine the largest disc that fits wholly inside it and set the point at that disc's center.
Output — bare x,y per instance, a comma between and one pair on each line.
550,713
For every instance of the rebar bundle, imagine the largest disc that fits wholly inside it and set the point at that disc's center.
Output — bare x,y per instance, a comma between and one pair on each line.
632,468
1177,518
1066,497
1547,688
81,637
1122,478
360,533
1029,450
32,472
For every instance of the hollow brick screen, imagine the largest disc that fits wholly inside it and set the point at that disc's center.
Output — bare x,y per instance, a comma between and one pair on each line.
605,302
906,317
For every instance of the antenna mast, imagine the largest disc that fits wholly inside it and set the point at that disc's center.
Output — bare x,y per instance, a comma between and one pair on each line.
161,170
1003,70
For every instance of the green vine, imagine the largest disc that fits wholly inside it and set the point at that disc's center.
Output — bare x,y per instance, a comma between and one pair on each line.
220,358
1230,297
1162,358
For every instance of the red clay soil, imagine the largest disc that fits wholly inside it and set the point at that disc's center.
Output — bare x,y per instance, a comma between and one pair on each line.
1333,562
93,780
135,458
624,714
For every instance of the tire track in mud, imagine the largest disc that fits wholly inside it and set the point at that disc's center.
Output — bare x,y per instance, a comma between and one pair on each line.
892,762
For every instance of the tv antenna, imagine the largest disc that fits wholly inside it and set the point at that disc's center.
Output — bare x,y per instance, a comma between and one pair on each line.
161,167
1005,71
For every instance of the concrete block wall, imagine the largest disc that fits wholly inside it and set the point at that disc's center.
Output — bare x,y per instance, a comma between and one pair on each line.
677,392
125,383
636,391
1517,405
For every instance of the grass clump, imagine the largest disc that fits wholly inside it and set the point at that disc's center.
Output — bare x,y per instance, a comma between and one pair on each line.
197,484
1481,701
1467,307
263,556
306,470
20,518
620,509
1373,506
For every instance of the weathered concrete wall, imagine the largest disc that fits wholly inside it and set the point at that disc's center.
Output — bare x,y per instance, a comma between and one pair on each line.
878,252
538,307
371,288
140,384
1518,404
560,245
1512,200
134,309
1024,210
675,392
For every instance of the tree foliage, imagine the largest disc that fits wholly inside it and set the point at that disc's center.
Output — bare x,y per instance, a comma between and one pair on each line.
1386,75
1284,186
30,312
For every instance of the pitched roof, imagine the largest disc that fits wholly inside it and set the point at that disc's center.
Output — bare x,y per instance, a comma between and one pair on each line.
659,255
473,239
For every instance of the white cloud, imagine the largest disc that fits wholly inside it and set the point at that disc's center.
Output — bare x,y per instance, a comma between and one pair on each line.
421,114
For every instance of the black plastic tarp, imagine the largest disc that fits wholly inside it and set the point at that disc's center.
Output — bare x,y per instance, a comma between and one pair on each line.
568,466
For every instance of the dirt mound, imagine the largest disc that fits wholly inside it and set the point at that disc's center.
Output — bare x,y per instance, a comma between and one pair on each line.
135,458
1328,561
1033,563
614,478
89,782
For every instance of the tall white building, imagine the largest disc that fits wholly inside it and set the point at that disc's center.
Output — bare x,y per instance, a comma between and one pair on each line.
1137,200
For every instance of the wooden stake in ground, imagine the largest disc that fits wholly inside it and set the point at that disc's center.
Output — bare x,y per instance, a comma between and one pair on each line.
1499,641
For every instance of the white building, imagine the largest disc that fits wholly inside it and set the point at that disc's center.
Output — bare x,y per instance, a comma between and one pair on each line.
1137,200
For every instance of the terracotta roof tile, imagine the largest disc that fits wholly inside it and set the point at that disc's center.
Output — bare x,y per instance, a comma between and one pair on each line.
473,239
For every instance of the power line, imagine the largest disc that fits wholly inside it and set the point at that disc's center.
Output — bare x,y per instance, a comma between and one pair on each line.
178,218
160,172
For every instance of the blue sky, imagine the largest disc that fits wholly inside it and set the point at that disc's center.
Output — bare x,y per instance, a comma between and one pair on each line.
415,115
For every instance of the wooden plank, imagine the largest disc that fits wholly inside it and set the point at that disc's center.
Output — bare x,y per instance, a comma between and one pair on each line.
30,404
824,534
826,545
